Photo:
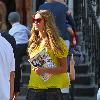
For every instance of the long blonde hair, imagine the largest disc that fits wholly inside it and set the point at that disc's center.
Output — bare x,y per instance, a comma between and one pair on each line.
51,31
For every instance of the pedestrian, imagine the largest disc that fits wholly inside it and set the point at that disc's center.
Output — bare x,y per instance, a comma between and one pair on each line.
24,8
7,68
45,35
20,33
60,12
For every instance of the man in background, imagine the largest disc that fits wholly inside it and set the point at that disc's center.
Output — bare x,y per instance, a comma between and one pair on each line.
60,12
20,33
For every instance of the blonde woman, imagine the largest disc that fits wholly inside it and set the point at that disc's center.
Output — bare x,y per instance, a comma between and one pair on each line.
45,35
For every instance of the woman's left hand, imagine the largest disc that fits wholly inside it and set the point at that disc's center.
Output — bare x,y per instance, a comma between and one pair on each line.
38,70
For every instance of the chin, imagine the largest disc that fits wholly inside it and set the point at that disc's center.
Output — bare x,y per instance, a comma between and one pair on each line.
36,29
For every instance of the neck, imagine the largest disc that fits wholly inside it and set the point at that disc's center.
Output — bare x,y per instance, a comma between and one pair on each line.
42,34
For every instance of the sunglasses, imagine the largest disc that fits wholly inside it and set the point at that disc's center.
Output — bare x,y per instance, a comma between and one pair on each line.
38,20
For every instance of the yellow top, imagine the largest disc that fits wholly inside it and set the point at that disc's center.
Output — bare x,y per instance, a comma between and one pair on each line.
56,81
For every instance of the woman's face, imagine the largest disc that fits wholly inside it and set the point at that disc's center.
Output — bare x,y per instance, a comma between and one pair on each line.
38,22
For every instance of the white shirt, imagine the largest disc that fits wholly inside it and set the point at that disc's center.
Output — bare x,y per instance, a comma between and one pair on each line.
7,64
65,90
20,33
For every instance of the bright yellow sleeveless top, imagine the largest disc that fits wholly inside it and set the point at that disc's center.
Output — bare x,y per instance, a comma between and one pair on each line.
55,81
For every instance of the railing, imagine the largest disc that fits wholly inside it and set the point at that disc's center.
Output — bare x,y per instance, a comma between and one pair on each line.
86,23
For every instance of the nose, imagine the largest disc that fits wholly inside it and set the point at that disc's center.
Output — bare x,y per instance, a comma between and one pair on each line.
35,22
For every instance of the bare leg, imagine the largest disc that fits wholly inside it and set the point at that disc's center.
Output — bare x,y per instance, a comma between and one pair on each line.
19,8
28,12
3,12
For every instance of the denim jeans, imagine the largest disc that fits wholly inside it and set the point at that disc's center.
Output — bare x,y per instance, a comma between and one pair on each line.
44,94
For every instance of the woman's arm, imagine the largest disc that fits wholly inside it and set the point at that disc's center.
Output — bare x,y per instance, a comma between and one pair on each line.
72,34
62,68
72,69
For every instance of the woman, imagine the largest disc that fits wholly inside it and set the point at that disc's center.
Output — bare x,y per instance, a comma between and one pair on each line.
45,36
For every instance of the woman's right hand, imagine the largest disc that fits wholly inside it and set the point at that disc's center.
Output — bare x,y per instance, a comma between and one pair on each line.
38,70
